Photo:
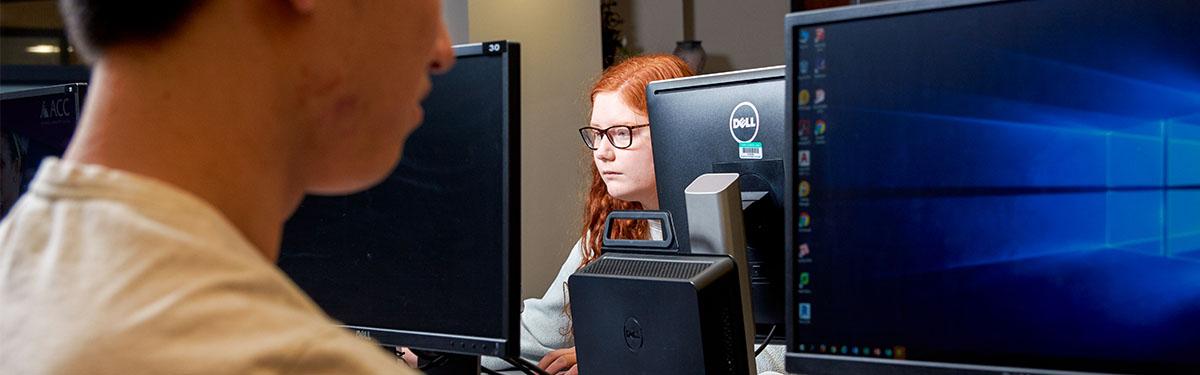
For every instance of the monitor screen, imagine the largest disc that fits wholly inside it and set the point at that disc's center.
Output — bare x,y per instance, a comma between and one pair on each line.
36,124
728,123
996,183
429,257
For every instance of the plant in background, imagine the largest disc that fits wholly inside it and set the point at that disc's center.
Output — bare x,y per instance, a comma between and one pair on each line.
613,44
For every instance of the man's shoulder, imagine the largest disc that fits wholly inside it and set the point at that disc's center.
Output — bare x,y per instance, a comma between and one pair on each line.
225,342
73,200
108,221
157,298
337,351
115,243
106,279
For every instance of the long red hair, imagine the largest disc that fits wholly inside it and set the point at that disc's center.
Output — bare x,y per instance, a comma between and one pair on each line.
629,79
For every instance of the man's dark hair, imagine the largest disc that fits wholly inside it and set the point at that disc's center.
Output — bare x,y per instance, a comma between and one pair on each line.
96,25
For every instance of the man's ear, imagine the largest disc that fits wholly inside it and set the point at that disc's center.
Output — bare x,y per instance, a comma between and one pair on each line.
303,6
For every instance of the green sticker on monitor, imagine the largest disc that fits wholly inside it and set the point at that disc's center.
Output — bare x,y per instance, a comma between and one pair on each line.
750,150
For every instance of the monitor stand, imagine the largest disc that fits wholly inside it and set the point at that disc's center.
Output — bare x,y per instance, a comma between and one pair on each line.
454,364
435,363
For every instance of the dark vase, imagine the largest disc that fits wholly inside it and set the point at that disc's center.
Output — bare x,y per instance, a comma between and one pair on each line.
692,53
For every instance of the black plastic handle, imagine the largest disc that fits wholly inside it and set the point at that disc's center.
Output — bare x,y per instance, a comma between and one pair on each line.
668,230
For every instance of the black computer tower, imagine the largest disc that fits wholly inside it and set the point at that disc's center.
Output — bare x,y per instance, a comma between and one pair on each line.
658,314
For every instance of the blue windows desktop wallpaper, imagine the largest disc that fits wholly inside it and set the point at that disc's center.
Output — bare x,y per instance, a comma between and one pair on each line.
1013,184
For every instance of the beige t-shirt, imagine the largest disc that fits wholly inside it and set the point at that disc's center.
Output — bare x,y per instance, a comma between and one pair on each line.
106,272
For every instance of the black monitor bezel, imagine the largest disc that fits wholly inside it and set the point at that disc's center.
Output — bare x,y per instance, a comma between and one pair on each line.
510,344
29,77
44,91
736,77
834,364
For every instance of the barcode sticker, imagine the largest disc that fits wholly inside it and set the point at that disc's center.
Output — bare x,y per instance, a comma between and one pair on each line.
750,150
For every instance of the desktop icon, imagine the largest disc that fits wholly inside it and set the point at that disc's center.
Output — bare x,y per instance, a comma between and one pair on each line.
820,35
805,220
819,97
804,279
804,36
803,189
805,311
802,251
804,127
804,159
803,97
819,67
820,128
803,66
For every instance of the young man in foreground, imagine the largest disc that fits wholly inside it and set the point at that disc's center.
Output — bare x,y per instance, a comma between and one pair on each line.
150,247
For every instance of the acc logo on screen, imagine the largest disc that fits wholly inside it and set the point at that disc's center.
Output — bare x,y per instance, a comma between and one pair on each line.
743,122
56,108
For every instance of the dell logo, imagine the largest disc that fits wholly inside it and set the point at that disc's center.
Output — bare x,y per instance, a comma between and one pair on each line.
633,334
362,333
56,108
743,122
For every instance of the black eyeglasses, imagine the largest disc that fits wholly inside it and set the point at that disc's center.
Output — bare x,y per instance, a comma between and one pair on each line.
620,136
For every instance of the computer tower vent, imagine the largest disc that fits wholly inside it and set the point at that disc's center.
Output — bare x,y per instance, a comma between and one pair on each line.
645,268
721,328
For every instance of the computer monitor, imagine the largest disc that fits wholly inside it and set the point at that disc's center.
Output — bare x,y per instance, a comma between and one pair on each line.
999,186
34,124
728,123
430,257
26,77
